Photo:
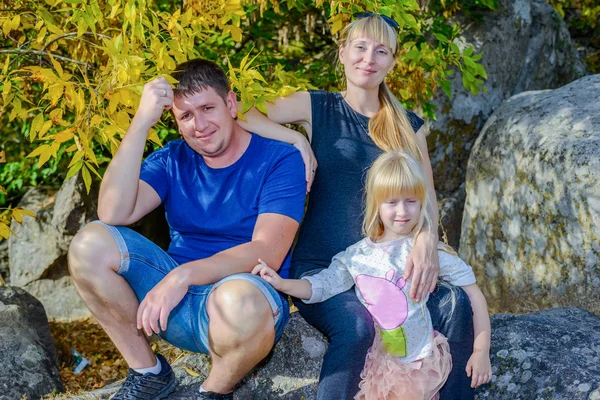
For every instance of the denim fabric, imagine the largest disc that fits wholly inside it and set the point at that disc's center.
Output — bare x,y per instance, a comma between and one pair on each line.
456,323
144,264
349,327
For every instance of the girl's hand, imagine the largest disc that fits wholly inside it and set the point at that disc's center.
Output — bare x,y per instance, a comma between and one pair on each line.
310,162
424,265
269,275
479,368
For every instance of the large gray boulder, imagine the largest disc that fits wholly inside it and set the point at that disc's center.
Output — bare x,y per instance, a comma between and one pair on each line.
4,268
29,360
526,46
553,354
290,372
38,251
531,226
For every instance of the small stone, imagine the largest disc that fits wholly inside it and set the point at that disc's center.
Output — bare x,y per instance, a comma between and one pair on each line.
502,353
584,387
526,376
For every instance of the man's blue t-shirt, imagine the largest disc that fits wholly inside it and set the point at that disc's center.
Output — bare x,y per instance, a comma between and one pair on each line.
210,210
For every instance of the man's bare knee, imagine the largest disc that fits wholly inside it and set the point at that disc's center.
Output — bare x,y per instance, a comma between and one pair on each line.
240,306
92,251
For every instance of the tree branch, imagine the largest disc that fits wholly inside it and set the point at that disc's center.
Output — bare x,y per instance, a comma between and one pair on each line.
43,53
73,34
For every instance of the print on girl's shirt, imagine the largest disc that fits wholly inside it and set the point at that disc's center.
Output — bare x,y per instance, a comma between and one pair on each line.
388,305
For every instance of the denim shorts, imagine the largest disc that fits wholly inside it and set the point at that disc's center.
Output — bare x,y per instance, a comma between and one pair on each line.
144,264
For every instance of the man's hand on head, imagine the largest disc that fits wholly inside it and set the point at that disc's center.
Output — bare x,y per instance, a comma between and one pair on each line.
156,97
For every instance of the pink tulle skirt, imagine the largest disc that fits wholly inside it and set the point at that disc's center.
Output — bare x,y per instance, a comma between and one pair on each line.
385,377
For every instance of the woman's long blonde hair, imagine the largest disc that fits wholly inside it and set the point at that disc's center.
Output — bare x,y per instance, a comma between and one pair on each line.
392,174
390,128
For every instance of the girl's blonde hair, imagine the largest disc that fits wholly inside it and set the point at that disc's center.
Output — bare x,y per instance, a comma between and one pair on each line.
392,174
389,127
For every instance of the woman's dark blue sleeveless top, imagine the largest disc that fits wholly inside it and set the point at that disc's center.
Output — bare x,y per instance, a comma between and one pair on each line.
344,152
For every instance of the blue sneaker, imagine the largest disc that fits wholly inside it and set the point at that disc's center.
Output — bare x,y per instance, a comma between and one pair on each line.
215,396
148,386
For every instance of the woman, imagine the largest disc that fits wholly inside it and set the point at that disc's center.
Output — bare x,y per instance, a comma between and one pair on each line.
347,131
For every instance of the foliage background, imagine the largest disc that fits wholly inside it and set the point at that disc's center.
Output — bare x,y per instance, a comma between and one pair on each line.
73,70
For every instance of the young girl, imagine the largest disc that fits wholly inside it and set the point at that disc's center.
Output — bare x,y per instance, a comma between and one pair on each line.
408,359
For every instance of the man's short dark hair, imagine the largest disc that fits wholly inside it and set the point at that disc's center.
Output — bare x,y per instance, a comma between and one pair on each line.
194,76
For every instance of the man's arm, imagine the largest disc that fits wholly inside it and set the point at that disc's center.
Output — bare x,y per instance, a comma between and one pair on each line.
123,198
272,238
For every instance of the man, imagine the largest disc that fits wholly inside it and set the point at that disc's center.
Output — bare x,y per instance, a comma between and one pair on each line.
230,197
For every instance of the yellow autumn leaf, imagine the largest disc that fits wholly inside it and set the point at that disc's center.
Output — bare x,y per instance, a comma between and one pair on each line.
36,124
4,230
55,92
71,148
45,156
2,156
87,178
45,128
336,23
56,66
63,136
6,89
76,157
18,213
153,137
122,76
236,33
38,151
191,372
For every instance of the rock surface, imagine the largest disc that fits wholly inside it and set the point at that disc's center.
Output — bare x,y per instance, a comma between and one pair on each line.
4,268
29,360
290,372
553,354
38,251
516,40
531,226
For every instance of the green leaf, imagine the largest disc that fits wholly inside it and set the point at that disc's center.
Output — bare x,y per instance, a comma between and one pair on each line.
470,63
441,37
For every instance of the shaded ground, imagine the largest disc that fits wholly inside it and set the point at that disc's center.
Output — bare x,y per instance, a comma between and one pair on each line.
106,364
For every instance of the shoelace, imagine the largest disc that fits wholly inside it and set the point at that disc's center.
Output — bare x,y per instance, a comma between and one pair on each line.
130,384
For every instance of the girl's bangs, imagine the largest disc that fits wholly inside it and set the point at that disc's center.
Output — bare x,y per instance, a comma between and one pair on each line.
374,28
394,182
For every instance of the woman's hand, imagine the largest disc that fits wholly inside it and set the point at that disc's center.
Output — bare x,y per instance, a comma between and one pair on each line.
310,162
268,274
424,265
479,368
159,302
